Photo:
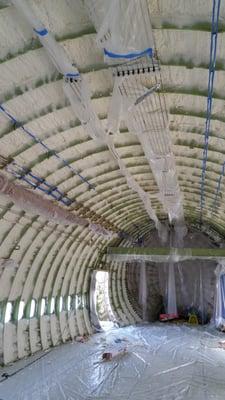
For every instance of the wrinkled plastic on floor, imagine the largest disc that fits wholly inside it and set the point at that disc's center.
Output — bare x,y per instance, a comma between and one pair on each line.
163,362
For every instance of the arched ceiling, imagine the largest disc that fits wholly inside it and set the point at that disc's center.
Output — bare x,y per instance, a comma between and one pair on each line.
52,258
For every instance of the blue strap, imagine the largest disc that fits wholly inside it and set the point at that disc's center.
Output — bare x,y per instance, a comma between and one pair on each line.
72,75
42,32
129,56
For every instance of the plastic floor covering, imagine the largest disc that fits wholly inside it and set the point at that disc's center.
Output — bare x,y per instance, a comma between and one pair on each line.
162,362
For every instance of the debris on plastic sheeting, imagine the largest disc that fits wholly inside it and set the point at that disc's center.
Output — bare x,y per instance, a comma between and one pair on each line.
81,339
114,353
222,344
164,362
120,340
168,317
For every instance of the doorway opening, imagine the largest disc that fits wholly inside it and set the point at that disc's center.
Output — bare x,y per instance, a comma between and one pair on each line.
102,317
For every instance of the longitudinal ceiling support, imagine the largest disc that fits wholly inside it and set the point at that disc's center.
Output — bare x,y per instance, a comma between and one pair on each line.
163,254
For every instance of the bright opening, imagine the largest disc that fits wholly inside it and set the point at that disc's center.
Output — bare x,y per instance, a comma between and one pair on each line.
52,305
101,311
32,308
8,312
42,308
21,310
60,303
69,303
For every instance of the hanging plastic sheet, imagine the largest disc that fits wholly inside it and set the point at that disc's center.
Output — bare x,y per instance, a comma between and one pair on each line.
192,288
143,290
124,28
77,91
188,289
171,291
79,96
220,296
93,309
55,50
162,230
136,101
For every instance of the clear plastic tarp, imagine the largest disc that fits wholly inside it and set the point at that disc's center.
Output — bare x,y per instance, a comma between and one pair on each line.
189,289
220,296
55,50
144,196
123,26
77,92
76,88
136,100
143,290
160,362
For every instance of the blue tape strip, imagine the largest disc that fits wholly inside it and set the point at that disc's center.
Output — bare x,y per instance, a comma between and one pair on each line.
43,32
129,56
72,75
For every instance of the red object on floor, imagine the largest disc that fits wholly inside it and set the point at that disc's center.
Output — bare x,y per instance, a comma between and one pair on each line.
168,317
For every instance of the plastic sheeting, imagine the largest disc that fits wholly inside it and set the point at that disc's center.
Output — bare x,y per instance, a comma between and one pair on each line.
220,296
143,290
136,101
192,290
124,28
163,362
76,89
125,34
79,96
55,50
171,290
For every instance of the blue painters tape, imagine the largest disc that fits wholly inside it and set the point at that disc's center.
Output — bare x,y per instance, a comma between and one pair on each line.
129,56
43,32
72,75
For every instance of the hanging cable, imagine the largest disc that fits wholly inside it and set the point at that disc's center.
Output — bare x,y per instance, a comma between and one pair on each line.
212,67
